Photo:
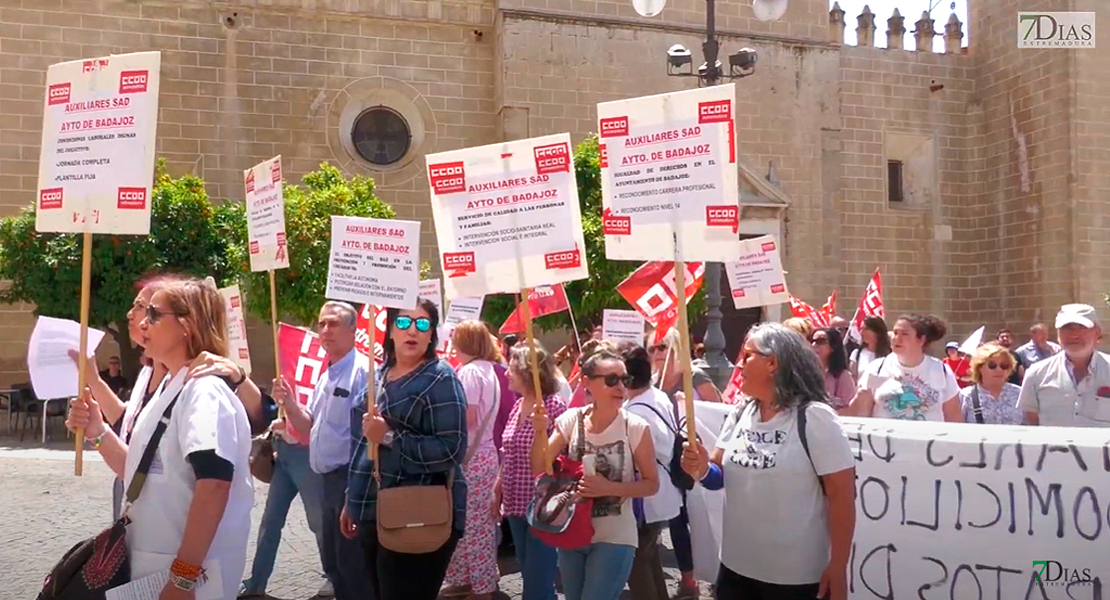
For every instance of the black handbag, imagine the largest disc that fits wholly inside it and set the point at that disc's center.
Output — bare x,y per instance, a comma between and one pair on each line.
101,563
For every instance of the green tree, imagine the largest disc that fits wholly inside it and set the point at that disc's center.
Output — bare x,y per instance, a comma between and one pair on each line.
588,297
302,288
187,235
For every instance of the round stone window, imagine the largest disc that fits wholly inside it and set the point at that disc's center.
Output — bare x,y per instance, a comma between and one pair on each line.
381,136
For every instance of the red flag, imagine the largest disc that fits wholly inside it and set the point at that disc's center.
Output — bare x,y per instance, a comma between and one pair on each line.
731,395
828,310
362,335
542,300
818,318
652,291
302,363
871,305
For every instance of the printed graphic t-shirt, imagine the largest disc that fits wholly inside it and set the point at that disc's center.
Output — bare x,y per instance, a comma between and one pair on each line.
773,497
613,520
909,393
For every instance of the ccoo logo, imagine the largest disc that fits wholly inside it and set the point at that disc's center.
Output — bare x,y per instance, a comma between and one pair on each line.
614,127
50,199
554,158
717,111
132,82
447,178
57,94
562,260
131,198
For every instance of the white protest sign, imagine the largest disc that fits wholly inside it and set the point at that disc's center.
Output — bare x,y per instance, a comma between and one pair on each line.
620,326
236,328
507,216
954,510
266,216
668,169
98,130
374,261
463,308
432,290
756,279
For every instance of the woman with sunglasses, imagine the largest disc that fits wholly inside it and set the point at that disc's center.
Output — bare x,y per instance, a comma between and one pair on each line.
839,383
421,432
619,465
991,399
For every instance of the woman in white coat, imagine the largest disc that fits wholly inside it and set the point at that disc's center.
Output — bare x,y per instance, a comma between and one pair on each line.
192,517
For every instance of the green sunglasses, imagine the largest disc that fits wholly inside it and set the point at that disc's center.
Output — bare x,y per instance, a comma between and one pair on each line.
423,324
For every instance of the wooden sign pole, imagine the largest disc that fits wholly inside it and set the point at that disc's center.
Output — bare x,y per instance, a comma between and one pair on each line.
82,352
371,382
277,329
535,364
684,342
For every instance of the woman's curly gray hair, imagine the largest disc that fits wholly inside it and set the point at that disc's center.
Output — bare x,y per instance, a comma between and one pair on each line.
799,377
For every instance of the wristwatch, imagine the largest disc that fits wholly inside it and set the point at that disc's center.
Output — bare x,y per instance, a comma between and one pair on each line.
183,583
387,439
242,378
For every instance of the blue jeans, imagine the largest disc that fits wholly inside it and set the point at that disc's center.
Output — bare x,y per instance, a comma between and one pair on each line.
539,563
596,572
292,476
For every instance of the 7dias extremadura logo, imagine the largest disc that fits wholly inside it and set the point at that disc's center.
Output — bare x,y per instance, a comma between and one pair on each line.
1056,30
1053,572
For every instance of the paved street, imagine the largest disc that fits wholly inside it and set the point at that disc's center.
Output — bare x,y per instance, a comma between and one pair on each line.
47,510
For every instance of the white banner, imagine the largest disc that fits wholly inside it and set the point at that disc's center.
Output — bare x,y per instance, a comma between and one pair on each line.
668,170
507,216
98,132
266,216
374,261
756,279
620,326
236,328
955,511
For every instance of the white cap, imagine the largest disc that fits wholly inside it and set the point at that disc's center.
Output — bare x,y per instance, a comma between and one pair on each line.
1077,314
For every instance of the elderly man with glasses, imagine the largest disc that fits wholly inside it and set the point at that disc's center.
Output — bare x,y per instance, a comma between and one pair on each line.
1071,388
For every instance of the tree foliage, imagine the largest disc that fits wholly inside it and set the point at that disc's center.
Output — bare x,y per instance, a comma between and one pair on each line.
588,297
309,207
188,234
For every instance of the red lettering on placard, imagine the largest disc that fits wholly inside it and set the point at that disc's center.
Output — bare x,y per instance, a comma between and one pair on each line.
254,249
58,94
614,127
778,288
570,259
723,216
235,302
603,155
457,264
50,199
615,224
717,111
275,172
249,181
243,354
447,178
738,293
767,246
554,158
132,82
131,198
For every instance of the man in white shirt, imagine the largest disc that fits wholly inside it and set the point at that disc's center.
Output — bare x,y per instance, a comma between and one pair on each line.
328,417
1072,388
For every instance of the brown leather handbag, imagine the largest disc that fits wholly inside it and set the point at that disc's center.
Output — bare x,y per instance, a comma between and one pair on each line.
263,458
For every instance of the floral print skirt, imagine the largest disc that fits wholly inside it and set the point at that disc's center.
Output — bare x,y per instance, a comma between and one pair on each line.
474,562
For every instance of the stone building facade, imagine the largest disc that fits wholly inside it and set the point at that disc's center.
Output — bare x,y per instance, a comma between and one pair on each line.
1003,153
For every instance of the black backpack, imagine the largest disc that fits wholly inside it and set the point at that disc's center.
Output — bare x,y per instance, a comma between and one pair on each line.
679,477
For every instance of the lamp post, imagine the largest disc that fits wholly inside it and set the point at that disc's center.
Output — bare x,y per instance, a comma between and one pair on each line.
741,64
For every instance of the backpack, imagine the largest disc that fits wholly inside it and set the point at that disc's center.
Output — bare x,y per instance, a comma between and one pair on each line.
679,477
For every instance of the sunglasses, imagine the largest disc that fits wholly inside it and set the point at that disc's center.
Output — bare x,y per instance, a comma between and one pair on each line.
1004,366
153,315
613,380
423,324
819,341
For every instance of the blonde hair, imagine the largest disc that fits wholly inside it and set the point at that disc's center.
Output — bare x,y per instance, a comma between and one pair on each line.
472,338
203,314
593,346
983,355
800,325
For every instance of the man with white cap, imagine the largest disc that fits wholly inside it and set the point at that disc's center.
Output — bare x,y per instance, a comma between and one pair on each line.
1072,388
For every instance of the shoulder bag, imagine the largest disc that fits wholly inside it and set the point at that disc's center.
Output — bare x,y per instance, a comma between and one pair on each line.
679,477
102,563
263,457
557,515
977,408
417,519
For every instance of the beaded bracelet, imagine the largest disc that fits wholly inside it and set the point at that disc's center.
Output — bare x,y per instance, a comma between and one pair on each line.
186,571
98,440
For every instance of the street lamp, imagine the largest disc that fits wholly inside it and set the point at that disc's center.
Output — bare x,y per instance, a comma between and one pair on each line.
711,72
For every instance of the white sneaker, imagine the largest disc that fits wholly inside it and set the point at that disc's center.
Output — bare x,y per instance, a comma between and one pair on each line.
326,590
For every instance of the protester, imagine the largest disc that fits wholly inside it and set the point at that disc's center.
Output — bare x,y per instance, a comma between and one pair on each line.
991,399
538,562
420,429
473,568
959,363
646,581
113,376
192,517
839,383
1071,388
340,388
621,447
791,497
876,344
589,348
1006,340
909,384
1038,348
802,327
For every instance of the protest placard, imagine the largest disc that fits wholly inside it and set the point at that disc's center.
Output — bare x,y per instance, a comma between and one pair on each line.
756,277
432,289
266,216
620,326
668,172
237,328
97,162
374,261
507,216
954,510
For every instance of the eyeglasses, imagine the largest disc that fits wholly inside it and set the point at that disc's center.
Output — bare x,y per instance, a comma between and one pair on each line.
153,315
819,341
613,380
423,324
1004,366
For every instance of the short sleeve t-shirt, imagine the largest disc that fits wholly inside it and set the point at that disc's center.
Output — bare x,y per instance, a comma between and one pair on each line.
699,377
909,393
613,449
773,497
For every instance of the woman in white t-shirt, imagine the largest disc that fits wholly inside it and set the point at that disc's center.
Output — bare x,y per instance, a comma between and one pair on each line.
620,448
876,344
909,384
790,510
192,517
